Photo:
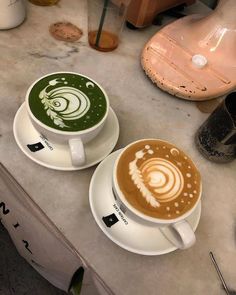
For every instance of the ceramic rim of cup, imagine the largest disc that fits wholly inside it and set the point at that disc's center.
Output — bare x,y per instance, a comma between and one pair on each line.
141,215
56,131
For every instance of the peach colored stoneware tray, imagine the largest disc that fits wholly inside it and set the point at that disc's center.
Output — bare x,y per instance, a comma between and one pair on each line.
194,57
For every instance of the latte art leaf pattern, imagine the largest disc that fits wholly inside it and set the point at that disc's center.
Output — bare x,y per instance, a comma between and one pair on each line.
157,179
138,181
64,103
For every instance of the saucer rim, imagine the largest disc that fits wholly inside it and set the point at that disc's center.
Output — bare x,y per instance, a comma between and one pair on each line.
71,168
169,249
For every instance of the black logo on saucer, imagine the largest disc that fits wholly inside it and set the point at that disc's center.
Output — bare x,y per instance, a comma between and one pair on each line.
110,220
35,147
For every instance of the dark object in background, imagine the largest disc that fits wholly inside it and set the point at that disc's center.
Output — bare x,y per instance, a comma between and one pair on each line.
76,282
141,13
159,9
211,3
216,138
175,12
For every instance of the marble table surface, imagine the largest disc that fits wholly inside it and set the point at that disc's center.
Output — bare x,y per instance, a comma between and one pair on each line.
144,111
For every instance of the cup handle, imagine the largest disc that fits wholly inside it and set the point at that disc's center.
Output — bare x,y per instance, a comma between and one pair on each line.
77,152
180,234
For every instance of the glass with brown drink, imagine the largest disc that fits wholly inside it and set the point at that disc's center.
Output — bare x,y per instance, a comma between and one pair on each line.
105,22
44,2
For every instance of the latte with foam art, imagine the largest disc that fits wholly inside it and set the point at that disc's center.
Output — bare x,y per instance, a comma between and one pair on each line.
158,179
67,102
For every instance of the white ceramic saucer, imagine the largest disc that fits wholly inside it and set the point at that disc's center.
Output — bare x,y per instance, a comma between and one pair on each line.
121,229
56,156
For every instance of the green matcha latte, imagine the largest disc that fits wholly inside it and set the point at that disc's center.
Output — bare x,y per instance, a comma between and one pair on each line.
67,102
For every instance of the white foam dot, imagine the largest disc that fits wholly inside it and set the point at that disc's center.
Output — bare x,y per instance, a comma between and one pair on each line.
169,215
185,158
174,152
194,191
168,208
195,182
188,175
164,147
189,185
65,82
139,154
185,194
80,86
167,156
189,167
53,82
100,105
147,146
150,152
189,202
182,201
63,79
176,204
190,195
177,211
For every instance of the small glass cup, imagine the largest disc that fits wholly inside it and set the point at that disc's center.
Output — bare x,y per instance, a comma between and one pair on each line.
216,137
44,2
105,23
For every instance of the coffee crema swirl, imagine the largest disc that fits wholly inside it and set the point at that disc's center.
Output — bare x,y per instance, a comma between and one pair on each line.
158,179
163,177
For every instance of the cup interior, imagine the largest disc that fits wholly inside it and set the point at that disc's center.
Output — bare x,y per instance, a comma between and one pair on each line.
230,103
67,103
133,203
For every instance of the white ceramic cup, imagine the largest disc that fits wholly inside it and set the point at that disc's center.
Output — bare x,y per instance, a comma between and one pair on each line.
75,139
179,232
12,13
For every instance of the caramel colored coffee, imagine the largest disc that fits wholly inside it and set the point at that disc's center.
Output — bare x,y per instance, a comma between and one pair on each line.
158,179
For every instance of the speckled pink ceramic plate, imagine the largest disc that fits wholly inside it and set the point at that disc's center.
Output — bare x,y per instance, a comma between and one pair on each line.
168,57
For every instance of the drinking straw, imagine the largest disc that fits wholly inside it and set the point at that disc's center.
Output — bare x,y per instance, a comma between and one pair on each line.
101,22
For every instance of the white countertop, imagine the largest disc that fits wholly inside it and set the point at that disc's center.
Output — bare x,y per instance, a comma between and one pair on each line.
144,111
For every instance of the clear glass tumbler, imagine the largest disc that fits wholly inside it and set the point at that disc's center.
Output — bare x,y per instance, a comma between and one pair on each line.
105,23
